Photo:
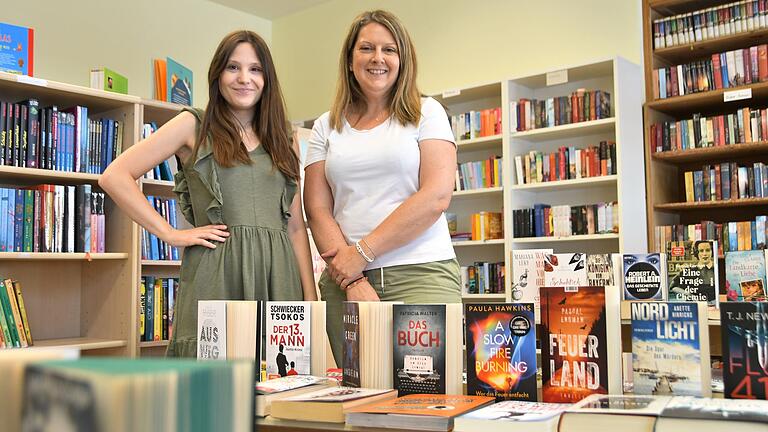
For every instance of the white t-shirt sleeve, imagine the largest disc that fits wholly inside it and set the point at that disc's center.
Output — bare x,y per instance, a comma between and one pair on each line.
317,146
434,122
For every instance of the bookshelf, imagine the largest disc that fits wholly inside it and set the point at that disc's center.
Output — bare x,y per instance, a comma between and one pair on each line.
665,170
622,80
77,300
159,113
467,202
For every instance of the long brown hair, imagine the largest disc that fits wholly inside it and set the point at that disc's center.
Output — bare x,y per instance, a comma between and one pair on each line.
404,99
269,120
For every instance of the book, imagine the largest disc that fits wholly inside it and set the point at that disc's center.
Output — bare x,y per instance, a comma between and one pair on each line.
327,405
211,329
367,356
528,276
512,416
745,275
415,412
601,269
295,338
711,415
501,350
581,342
692,272
121,395
178,83
628,413
427,348
12,366
17,49
106,79
644,277
670,349
562,270
744,338
279,388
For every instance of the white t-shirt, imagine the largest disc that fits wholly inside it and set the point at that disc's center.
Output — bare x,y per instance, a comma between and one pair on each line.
371,172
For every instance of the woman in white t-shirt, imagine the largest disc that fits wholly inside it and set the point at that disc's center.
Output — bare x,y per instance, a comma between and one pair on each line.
379,175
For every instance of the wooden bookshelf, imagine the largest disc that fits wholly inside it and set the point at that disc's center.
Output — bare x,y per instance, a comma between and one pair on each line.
35,175
478,242
622,80
709,154
81,343
477,192
162,263
153,344
665,170
492,142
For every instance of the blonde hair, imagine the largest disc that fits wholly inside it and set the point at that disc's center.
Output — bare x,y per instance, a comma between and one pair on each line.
404,99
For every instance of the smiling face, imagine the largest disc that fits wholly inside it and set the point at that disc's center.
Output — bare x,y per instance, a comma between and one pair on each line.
375,60
242,80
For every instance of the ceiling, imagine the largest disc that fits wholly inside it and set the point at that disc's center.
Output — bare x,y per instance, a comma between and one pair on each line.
269,9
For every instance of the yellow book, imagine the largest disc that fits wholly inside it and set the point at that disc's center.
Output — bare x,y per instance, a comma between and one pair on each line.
689,197
143,300
8,287
22,310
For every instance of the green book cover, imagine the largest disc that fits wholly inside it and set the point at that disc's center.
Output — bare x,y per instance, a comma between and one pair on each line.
5,328
29,213
115,82
8,314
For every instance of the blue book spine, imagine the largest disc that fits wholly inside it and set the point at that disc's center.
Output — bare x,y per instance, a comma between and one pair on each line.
172,213
18,223
3,219
149,315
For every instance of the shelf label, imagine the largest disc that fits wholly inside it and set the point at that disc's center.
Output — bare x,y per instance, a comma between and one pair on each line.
557,77
451,93
735,95
26,79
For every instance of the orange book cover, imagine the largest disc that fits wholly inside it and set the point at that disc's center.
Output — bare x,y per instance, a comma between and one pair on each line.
426,405
160,85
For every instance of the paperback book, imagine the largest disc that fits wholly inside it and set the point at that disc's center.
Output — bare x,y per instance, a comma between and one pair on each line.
561,270
745,349
692,272
745,275
528,276
644,277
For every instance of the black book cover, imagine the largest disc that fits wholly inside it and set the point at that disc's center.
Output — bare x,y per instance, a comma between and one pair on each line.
745,349
32,121
351,359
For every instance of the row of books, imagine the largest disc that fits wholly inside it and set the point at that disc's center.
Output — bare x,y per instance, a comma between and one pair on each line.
164,171
746,125
730,236
567,163
722,70
726,181
709,23
157,297
483,278
480,174
476,124
581,105
486,226
52,218
152,248
66,140
544,220
14,325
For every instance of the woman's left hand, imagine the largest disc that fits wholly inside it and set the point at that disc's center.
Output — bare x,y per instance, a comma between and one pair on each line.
345,265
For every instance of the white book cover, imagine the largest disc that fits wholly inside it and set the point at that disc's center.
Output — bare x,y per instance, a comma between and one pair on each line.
528,275
212,329
288,330
337,394
565,270
282,384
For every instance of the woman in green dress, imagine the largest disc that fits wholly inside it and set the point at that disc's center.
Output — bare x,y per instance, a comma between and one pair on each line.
237,184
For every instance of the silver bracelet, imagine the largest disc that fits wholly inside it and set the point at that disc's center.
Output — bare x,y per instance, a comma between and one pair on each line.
362,254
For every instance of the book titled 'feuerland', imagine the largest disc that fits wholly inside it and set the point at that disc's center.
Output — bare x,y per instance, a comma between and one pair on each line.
745,349
643,276
692,271
501,351
288,339
581,344
668,356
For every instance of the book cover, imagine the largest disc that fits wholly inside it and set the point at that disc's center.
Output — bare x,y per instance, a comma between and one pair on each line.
600,271
501,351
286,383
17,53
288,329
745,349
426,405
575,339
562,270
667,355
211,328
745,275
115,82
528,275
178,83
692,271
514,411
643,276
337,394
717,409
351,359
621,404
419,349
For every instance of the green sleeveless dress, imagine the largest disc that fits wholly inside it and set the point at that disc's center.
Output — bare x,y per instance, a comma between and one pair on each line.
256,262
